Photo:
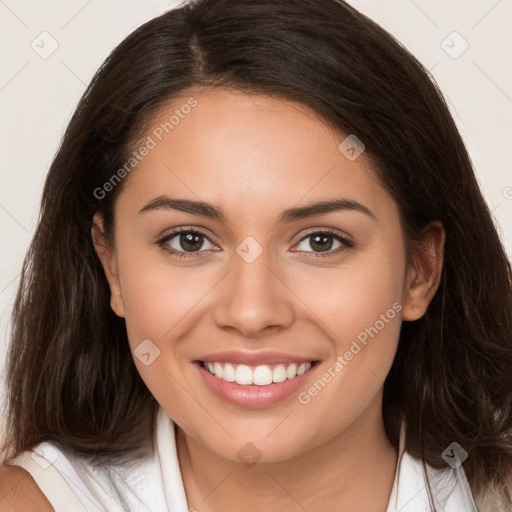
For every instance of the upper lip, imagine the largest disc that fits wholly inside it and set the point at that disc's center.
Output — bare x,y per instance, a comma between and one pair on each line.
253,358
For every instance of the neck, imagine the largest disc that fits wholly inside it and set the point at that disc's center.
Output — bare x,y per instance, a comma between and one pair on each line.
353,470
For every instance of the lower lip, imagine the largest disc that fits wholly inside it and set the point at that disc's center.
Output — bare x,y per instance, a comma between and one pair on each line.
253,396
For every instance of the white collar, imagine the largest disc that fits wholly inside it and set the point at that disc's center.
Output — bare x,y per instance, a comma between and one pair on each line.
155,483
169,464
450,488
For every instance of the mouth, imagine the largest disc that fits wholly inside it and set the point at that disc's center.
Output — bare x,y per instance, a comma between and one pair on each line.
255,386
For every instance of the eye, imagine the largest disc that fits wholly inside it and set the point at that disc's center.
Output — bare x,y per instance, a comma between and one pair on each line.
184,243
322,242
189,243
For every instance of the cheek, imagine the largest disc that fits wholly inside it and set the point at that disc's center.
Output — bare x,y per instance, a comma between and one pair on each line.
353,296
159,302
157,295
360,306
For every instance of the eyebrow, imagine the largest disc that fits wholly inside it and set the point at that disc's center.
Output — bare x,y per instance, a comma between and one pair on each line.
211,211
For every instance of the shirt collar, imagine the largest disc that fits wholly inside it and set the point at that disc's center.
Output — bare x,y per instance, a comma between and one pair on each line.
450,488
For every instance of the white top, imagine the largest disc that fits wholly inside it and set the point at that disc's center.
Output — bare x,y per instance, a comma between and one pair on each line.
154,484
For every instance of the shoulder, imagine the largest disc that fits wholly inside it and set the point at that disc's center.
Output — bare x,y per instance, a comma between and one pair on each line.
19,491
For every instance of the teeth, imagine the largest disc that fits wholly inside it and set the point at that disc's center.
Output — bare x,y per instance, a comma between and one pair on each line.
279,373
261,375
228,373
291,371
243,375
218,370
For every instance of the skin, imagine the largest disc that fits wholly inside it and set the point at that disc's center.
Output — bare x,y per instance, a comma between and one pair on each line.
255,156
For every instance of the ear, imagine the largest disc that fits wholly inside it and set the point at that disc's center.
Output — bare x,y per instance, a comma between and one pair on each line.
108,260
424,272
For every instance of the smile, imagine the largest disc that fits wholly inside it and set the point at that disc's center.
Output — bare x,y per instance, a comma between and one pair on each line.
256,386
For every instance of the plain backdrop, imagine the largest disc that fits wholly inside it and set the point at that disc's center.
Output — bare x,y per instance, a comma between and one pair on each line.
51,49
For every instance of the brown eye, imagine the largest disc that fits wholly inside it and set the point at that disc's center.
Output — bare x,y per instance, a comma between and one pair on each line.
323,242
183,241
190,241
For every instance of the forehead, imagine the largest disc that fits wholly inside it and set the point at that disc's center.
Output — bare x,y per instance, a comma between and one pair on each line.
247,150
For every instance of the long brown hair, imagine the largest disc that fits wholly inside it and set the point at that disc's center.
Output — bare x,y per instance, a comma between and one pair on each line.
70,373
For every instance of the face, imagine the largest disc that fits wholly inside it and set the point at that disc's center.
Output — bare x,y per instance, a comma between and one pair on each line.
304,303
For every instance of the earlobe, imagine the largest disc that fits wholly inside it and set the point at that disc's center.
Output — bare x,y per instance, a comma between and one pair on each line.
424,272
107,258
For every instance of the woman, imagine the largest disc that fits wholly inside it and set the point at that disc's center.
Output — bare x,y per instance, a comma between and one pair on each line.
264,278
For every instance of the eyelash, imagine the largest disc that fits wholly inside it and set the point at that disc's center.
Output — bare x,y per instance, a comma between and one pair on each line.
346,243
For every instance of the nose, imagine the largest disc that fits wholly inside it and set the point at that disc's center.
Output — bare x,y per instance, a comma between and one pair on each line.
253,298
